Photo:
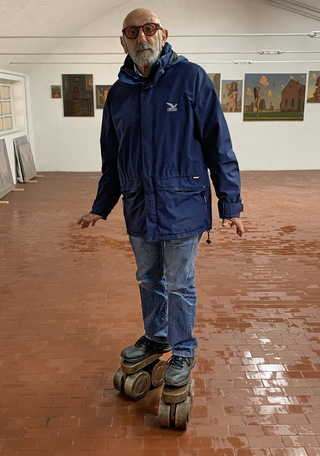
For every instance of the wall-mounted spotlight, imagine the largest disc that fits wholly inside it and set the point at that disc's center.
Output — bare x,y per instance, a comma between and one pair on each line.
243,62
270,52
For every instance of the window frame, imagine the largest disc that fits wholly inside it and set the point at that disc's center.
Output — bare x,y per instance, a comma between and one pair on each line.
3,116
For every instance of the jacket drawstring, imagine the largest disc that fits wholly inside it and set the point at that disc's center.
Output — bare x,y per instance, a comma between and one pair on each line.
208,241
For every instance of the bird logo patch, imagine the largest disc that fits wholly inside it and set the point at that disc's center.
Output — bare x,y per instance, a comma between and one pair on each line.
172,107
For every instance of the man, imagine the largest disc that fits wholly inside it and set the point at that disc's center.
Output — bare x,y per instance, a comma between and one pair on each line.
162,129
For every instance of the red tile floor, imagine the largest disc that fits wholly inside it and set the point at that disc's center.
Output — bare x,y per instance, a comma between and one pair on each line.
70,303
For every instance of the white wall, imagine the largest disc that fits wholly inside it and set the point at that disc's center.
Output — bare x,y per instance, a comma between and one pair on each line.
72,144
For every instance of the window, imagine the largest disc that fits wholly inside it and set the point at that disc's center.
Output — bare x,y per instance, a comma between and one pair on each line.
292,104
6,114
286,103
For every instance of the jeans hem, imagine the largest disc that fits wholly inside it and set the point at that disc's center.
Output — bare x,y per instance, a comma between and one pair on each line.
153,339
183,353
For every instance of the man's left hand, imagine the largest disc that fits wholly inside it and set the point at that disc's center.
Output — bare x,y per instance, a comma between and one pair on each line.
234,221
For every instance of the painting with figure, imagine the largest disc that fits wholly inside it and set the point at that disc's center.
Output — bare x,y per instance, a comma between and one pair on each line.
231,95
26,161
313,95
6,180
274,96
216,79
78,95
101,95
55,91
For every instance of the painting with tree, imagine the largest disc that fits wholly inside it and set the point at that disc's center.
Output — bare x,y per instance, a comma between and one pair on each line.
274,97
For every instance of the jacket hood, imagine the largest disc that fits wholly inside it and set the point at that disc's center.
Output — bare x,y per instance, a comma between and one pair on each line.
167,59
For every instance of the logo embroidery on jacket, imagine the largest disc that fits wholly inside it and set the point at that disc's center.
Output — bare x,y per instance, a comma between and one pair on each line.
172,107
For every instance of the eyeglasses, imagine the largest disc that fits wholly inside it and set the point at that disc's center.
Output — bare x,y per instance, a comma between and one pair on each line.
148,29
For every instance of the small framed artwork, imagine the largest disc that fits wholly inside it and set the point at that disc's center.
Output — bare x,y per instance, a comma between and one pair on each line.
216,79
101,95
55,91
231,99
6,180
313,95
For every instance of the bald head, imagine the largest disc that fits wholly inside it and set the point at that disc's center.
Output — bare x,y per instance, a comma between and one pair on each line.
140,16
144,49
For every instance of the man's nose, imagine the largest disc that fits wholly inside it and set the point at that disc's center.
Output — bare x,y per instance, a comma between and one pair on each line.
142,38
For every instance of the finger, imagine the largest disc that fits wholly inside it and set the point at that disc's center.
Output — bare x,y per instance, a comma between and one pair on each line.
240,230
85,222
225,222
94,222
79,221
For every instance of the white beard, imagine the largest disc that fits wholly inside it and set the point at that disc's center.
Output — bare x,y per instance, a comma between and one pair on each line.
145,58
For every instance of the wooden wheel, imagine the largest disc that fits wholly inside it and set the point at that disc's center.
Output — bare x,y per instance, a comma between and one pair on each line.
158,372
191,388
137,385
182,414
164,414
118,380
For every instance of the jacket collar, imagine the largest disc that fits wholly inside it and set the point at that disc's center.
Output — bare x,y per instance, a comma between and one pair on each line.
167,58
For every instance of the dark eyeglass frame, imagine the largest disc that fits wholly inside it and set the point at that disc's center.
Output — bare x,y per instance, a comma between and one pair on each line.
138,27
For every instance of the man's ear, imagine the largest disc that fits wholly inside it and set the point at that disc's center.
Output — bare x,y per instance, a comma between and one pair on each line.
124,44
164,36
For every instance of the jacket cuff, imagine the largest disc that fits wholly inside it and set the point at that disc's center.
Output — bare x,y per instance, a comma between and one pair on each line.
229,210
104,215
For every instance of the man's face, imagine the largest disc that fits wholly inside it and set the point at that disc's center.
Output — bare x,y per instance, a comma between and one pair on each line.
144,50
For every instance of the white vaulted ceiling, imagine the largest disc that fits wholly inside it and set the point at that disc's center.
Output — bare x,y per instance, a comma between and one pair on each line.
45,17
70,17
306,8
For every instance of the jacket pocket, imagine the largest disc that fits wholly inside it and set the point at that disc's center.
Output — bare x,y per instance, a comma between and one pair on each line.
183,211
205,195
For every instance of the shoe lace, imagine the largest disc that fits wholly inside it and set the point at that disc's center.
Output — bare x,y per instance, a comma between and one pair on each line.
142,341
176,361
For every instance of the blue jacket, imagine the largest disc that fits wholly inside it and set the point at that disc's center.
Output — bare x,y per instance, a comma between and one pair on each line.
159,137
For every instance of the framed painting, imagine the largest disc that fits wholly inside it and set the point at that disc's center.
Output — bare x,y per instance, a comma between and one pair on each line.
20,140
6,179
17,142
55,91
78,95
26,161
313,95
274,97
231,95
216,79
101,95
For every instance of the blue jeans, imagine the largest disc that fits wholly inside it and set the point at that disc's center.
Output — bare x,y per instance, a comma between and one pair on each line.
168,294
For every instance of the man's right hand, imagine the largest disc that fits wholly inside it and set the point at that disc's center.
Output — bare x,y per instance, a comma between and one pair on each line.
87,219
